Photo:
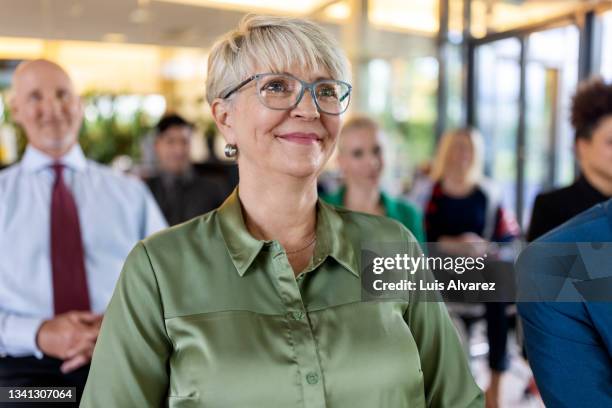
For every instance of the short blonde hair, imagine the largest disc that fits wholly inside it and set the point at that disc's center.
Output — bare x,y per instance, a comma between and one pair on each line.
274,43
357,122
476,172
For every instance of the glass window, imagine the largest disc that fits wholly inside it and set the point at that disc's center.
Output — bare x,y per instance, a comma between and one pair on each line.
552,74
455,105
606,46
401,94
498,76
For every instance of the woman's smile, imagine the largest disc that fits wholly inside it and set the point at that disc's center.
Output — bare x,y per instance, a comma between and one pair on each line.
301,138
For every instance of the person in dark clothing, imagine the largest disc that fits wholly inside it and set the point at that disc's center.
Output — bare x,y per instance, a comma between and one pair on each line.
181,193
592,121
463,214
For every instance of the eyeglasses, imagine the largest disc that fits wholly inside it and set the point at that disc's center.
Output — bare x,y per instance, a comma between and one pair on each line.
284,92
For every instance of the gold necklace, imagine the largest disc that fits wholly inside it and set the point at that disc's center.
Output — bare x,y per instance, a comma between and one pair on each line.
301,249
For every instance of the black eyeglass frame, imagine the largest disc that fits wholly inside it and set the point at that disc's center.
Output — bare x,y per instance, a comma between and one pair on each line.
305,86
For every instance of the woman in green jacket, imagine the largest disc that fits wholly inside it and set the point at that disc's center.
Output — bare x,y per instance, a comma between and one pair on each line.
360,159
258,303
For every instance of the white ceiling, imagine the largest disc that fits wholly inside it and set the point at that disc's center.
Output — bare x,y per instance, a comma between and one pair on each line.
169,24
89,20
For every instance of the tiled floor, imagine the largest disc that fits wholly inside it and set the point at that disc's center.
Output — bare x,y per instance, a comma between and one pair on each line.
514,381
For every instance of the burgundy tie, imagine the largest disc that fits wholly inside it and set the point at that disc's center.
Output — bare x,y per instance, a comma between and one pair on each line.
67,257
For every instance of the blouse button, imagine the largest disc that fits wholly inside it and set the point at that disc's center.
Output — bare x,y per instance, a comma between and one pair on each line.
297,315
312,378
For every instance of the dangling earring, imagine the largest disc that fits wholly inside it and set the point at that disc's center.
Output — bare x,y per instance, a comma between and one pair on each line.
231,150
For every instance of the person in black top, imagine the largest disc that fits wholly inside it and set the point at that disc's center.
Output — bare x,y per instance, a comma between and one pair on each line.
181,193
592,121
464,214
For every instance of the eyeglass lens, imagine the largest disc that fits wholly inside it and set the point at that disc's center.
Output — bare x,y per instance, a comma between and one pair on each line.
279,91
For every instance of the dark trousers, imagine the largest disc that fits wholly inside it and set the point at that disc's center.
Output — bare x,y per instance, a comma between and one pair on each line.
498,325
32,372
497,334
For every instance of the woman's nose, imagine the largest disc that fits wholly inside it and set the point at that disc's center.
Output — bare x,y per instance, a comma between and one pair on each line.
306,108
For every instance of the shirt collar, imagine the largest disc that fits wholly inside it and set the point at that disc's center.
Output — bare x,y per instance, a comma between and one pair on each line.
389,205
241,245
243,248
35,160
333,239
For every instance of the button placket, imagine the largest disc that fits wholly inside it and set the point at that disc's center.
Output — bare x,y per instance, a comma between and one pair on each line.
301,332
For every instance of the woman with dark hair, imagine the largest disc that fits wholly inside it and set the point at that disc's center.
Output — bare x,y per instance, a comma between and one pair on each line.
592,121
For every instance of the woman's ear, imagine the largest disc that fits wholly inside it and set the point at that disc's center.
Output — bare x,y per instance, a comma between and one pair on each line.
222,115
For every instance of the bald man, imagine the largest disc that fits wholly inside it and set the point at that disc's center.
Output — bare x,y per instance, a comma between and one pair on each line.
66,226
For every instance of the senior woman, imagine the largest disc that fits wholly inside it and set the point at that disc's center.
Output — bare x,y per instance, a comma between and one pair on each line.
258,303
360,159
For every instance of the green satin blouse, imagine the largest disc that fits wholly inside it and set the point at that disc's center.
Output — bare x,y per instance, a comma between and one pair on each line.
205,315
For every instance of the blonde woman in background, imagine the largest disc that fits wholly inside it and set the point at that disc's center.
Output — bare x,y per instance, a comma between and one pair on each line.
258,303
464,214
360,158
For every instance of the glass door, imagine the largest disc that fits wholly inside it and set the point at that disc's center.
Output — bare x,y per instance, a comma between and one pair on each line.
606,46
551,79
497,112
525,160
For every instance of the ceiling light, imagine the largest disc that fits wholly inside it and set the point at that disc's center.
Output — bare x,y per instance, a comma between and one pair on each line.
271,6
338,11
114,37
412,15
140,16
